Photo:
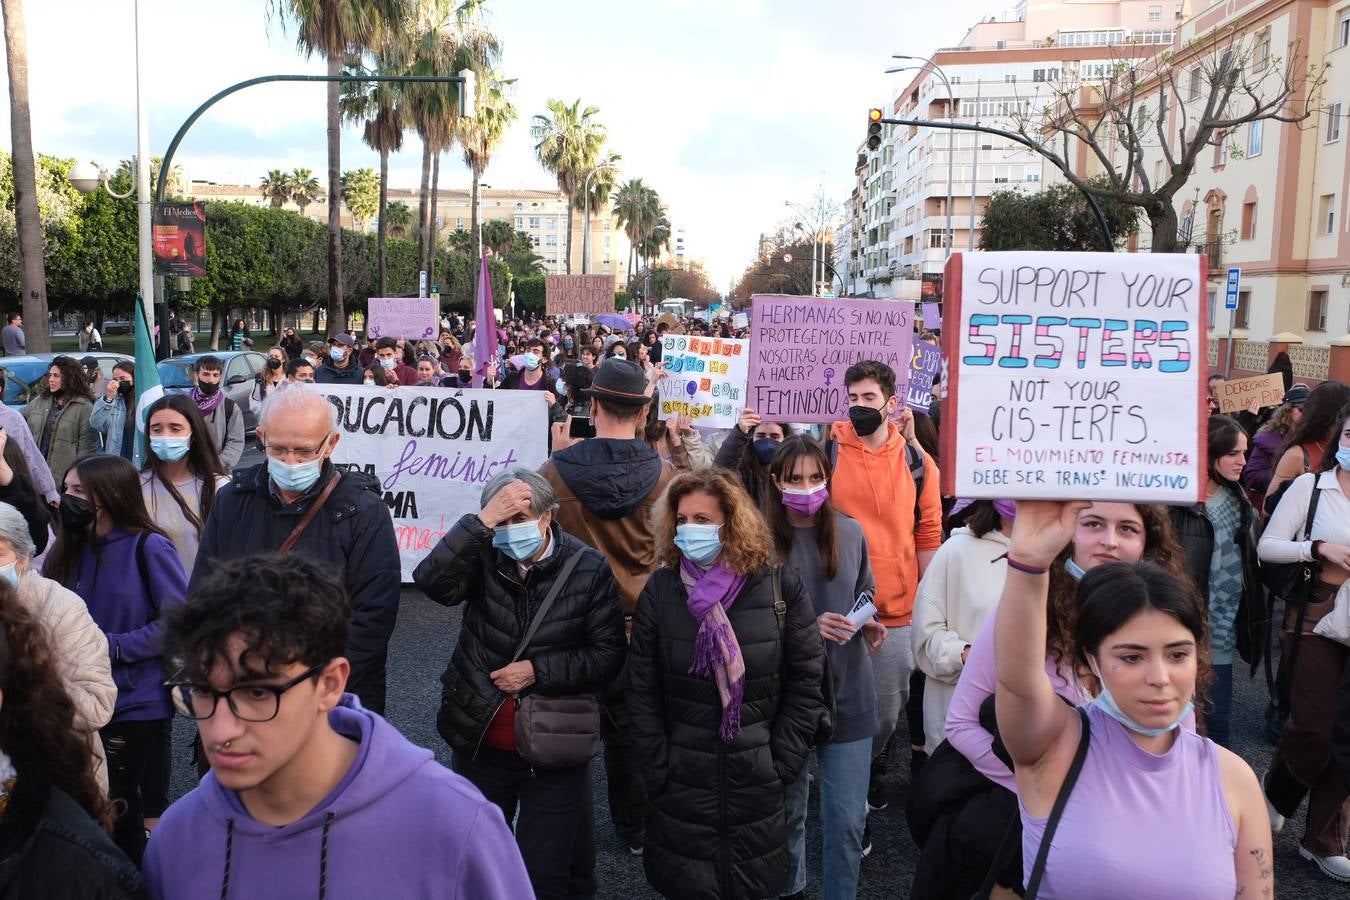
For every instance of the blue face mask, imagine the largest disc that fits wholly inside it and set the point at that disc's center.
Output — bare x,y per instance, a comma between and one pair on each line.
337,354
1074,569
296,478
531,361
1343,457
170,449
561,387
519,541
700,544
1107,704
388,363
764,449
9,574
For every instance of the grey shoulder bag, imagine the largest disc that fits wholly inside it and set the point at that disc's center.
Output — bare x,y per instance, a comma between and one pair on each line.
556,732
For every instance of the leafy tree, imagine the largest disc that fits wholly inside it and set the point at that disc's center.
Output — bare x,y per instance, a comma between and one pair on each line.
58,205
399,216
276,188
691,281
460,241
568,144
524,263
530,294
1057,218
361,193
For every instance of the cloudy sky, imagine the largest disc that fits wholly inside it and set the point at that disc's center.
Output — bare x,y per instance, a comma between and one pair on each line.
727,107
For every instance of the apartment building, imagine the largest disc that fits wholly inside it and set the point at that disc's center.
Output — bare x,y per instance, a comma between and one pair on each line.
898,212
540,213
1270,197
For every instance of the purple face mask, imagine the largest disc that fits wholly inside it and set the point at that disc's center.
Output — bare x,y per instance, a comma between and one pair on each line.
1006,508
806,503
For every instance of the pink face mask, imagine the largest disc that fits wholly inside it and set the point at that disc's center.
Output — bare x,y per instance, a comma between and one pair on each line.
807,502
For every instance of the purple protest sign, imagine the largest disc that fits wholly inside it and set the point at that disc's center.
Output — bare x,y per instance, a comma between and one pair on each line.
411,318
932,315
801,347
925,364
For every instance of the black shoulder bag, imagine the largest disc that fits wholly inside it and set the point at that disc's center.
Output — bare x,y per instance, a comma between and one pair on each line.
556,732
1057,813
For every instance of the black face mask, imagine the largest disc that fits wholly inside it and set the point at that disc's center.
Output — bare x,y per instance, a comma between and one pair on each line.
465,376
208,387
125,388
77,514
273,364
865,419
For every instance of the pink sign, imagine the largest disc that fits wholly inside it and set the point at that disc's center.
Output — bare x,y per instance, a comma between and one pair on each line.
802,346
411,318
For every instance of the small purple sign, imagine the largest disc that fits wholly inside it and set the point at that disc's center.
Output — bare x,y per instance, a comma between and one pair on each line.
932,316
410,318
926,363
802,346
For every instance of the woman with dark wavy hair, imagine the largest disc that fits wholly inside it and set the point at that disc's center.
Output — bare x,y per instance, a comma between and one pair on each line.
59,417
181,473
53,815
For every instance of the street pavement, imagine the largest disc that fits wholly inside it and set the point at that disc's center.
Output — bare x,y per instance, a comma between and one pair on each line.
426,634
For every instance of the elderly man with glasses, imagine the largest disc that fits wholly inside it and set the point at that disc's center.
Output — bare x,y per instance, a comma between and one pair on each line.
298,500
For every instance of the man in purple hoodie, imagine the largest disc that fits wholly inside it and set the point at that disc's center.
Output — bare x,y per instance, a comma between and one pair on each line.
308,794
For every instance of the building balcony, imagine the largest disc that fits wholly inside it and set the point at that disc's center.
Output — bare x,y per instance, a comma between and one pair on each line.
1214,251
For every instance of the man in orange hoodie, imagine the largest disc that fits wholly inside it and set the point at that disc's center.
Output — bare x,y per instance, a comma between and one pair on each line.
872,482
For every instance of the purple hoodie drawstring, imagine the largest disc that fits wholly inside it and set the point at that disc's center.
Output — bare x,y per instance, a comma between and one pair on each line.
229,853
323,855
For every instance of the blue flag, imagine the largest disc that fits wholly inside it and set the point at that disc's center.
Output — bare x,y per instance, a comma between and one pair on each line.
148,388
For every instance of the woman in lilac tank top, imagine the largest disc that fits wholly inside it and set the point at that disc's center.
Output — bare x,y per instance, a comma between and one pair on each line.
1157,810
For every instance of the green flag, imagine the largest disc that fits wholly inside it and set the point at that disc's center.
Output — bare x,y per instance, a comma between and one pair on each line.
148,388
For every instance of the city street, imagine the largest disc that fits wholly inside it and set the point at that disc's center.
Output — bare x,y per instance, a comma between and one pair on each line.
421,646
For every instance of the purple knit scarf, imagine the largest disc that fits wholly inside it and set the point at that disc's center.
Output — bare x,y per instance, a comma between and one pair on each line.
716,652
206,404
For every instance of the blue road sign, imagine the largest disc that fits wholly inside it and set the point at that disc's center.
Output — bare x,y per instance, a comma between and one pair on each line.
1231,297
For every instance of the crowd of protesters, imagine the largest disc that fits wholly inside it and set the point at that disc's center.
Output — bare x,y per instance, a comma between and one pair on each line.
706,610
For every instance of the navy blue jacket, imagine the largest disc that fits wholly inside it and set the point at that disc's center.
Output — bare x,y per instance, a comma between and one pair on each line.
352,536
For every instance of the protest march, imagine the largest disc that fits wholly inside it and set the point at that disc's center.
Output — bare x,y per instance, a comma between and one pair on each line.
991,567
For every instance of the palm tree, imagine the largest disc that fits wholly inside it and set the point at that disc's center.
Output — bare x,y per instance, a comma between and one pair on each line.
568,145
638,209
600,182
305,188
126,175
28,222
399,217
480,136
338,30
499,237
379,105
460,241
361,193
276,188
523,263
448,36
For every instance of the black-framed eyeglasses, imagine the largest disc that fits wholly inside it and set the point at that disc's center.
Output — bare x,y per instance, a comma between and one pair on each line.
248,702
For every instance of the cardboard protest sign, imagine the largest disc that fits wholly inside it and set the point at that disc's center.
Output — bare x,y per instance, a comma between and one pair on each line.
411,318
564,294
1238,394
433,450
925,364
706,379
1075,376
740,320
803,345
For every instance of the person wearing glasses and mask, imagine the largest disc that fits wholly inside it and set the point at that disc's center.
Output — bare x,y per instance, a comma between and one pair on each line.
299,500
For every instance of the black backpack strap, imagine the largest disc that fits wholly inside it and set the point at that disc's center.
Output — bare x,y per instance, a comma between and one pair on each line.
552,595
917,471
779,607
1002,856
1062,800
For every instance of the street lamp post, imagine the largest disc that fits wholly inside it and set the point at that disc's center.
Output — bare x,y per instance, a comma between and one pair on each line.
586,215
951,135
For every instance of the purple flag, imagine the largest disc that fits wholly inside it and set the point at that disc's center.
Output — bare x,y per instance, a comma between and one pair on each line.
485,329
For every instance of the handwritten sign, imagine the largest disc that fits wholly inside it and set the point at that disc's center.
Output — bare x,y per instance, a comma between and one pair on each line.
932,315
1075,376
740,320
706,380
802,346
433,450
411,318
1238,394
925,364
567,294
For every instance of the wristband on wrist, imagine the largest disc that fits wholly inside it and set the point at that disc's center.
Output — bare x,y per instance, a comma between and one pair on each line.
1023,567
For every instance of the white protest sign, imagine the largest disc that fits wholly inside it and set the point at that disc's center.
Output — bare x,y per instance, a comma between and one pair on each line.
705,379
1075,376
434,449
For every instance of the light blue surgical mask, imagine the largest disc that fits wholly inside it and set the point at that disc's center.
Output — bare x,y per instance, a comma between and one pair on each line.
337,354
9,574
1343,457
560,386
1074,569
388,362
1107,704
531,361
170,449
519,541
296,478
700,544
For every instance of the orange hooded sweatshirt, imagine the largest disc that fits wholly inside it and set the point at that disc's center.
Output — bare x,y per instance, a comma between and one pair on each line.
876,489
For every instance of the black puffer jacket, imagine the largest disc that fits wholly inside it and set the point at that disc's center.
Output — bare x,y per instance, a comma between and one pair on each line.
717,827
578,648
1196,534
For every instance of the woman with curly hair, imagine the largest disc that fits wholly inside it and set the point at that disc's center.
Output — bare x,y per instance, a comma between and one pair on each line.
54,818
724,690
59,417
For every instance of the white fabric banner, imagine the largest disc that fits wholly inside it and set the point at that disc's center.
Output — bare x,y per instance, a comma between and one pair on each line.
434,449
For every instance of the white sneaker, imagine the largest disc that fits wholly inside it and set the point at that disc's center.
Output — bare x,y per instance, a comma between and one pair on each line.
1337,867
1276,820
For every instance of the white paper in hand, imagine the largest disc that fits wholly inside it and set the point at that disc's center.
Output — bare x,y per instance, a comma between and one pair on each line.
863,610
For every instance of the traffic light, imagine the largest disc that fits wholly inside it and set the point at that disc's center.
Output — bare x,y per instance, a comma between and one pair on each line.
873,128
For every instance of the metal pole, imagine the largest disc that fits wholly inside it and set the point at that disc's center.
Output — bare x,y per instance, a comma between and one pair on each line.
1228,366
951,138
586,215
974,168
144,207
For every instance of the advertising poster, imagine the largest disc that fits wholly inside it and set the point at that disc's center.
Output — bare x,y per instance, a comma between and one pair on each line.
178,236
